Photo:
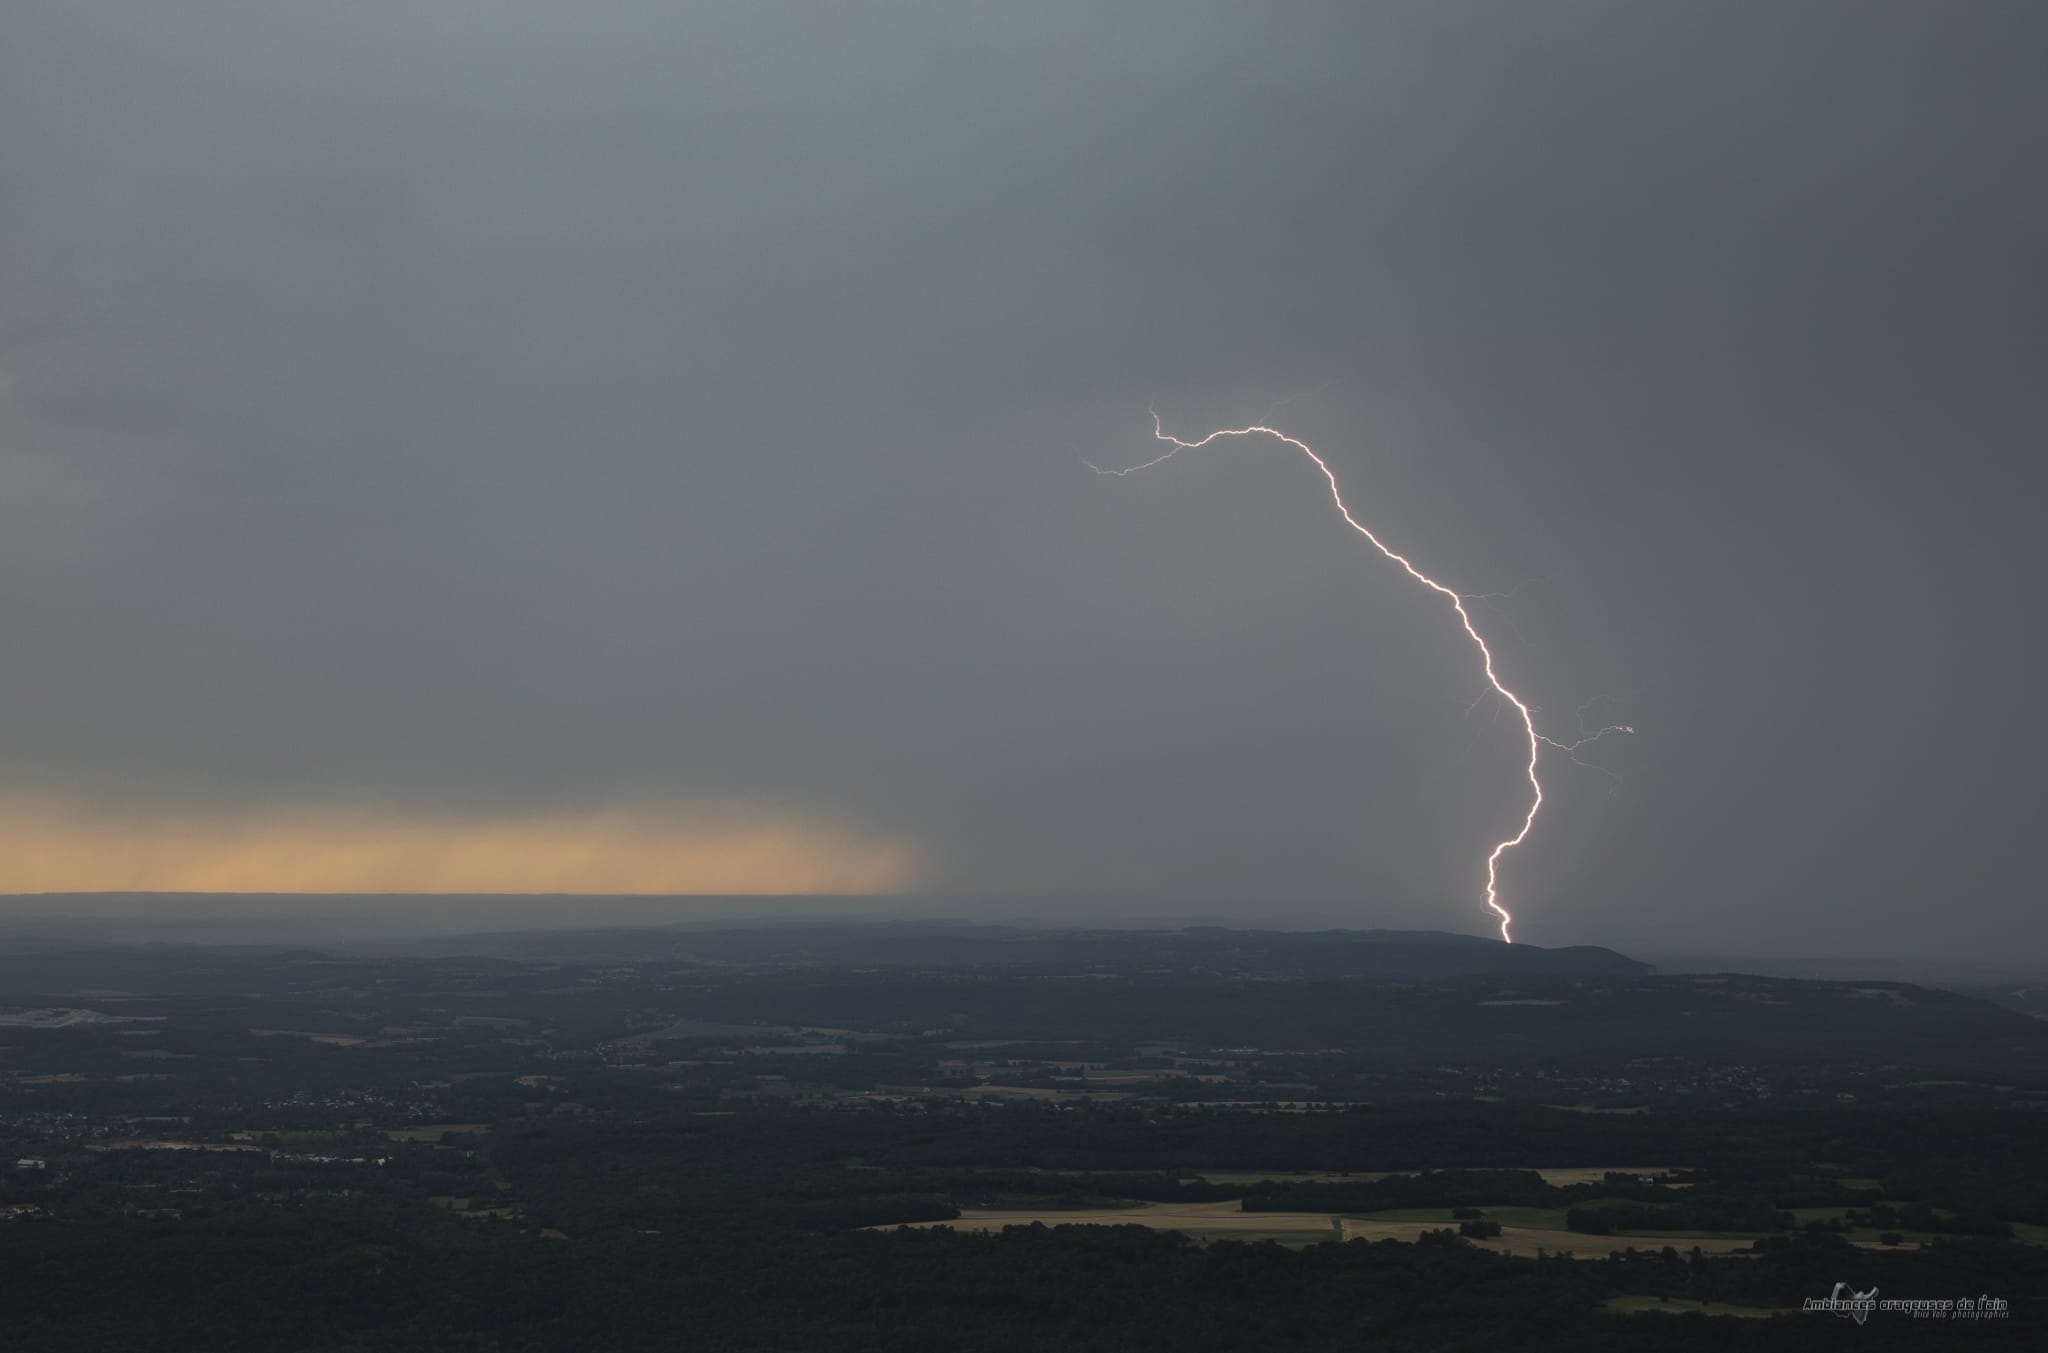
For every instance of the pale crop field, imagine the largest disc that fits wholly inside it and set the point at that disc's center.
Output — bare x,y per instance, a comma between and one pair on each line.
1209,1220
1227,1221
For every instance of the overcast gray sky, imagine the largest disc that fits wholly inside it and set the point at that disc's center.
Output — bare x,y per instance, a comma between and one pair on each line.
487,420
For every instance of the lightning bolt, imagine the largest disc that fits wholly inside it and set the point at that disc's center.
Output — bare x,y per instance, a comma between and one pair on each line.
1537,741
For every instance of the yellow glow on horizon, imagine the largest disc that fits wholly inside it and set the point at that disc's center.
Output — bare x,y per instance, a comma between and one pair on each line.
53,846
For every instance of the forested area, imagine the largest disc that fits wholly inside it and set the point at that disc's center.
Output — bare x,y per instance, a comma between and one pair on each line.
352,1278
743,1231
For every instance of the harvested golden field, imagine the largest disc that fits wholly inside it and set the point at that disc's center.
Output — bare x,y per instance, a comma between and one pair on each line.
1208,1220
1593,1174
1227,1221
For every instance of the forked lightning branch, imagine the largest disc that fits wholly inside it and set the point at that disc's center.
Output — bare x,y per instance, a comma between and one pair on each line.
1537,741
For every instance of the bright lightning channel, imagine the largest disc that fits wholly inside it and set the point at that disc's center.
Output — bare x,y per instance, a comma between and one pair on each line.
1537,741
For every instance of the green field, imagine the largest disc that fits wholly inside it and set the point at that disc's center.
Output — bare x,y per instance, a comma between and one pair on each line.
1533,1218
431,1132
1294,1239
1803,1215
1551,1219
1868,1235
1442,1214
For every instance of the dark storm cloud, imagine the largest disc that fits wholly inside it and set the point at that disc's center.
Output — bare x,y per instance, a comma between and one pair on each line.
510,407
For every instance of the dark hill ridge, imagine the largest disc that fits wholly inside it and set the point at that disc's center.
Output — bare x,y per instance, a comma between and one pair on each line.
1412,955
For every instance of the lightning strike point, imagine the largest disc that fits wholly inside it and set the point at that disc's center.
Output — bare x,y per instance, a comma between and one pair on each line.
1536,741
